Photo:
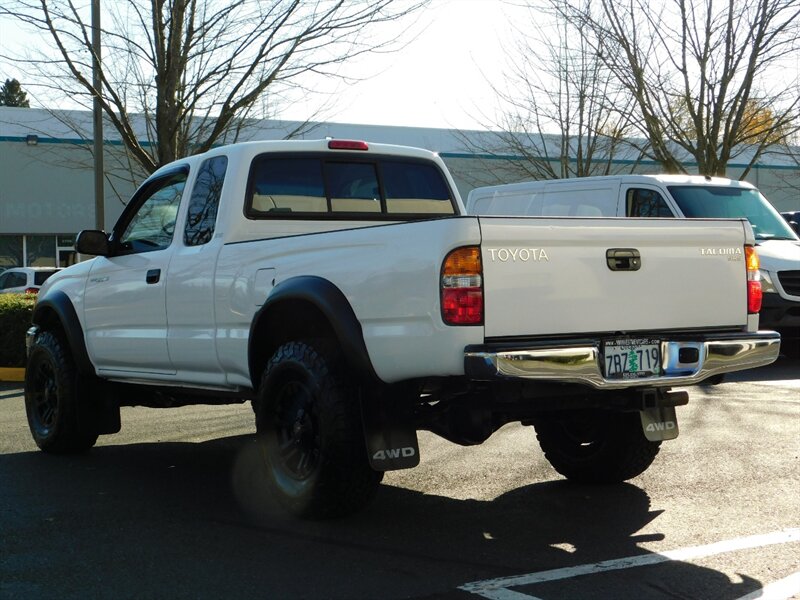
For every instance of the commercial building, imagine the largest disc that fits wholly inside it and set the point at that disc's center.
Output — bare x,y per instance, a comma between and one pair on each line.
47,185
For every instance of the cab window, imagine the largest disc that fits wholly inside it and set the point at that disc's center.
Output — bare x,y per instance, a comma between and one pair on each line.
151,226
325,187
201,217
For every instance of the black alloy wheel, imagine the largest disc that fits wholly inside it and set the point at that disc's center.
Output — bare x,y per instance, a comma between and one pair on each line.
60,419
308,418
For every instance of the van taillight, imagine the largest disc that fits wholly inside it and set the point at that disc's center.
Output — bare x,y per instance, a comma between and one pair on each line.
462,287
754,293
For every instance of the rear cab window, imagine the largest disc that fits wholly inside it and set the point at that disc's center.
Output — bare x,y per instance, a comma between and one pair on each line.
322,186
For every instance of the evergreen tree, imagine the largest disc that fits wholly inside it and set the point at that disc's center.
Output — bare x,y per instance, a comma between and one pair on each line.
11,94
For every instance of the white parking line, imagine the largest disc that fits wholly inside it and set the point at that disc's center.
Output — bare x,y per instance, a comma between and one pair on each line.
498,589
777,590
787,383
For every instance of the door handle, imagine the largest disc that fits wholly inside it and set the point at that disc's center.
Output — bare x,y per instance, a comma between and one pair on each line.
153,275
623,259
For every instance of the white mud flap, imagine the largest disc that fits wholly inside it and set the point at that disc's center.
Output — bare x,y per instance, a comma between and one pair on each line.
660,423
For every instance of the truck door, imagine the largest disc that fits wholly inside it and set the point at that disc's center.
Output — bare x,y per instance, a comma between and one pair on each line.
190,289
125,303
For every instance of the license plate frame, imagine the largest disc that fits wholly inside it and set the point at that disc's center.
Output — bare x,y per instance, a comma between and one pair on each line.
632,358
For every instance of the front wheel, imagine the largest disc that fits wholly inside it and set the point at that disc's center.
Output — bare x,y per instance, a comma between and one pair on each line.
308,419
595,446
58,417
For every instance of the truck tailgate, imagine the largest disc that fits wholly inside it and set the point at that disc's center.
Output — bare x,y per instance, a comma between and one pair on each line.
571,276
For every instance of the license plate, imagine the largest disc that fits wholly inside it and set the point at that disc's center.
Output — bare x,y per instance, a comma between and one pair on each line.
632,358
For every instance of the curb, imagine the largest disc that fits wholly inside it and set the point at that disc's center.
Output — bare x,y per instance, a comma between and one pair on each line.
12,374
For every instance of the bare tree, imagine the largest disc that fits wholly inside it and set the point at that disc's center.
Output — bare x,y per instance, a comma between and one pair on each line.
193,71
563,114
702,73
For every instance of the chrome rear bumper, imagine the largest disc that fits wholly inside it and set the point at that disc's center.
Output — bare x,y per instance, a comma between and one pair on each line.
582,362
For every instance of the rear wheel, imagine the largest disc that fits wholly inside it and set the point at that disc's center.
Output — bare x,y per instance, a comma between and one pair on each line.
309,423
595,446
58,417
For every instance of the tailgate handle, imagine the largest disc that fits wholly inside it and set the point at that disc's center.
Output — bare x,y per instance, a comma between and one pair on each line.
623,259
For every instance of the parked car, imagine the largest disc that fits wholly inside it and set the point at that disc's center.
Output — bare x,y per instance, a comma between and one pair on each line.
19,280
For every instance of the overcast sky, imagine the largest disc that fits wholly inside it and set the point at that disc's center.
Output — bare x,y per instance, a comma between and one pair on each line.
439,79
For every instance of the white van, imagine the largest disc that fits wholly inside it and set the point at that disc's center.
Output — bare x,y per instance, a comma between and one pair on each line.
671,196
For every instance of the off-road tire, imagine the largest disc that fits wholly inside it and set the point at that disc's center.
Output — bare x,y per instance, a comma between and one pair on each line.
595,446
59,417
310,431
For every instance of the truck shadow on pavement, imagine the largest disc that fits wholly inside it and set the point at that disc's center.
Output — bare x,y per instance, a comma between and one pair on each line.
195,520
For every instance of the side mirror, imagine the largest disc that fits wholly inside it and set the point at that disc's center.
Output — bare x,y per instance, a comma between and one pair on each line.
796,226
93,242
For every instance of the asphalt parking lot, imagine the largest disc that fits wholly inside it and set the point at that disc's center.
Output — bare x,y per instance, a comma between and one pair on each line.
173,507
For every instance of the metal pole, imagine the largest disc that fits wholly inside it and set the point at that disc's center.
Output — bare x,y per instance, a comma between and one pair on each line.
97,118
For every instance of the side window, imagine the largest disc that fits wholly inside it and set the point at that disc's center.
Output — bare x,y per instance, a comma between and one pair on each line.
4,281
13,280
39,277
646,203
286,185
202,214
152,226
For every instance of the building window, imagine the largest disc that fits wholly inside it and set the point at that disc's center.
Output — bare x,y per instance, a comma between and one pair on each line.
10,251
40,251
37,251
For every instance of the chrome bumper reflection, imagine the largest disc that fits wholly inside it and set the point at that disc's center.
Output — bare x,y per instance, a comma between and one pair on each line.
583,363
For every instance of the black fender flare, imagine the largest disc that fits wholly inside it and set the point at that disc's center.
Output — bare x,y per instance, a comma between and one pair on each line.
58,306
334,307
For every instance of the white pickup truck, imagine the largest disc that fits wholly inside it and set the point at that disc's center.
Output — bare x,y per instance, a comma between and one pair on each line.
339,286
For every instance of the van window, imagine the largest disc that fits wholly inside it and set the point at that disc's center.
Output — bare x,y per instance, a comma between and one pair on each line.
569,201
706,201
641,202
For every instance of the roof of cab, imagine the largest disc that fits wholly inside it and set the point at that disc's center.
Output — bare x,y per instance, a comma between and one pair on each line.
247,150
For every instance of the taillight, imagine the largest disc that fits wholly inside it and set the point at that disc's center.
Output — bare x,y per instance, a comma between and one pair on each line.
347,145
754,293
462,287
